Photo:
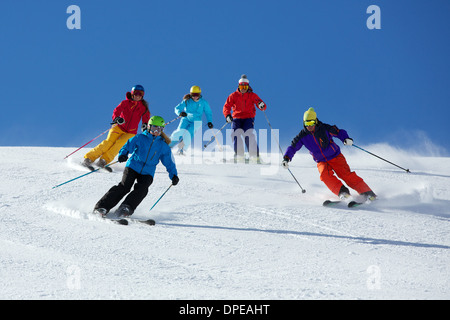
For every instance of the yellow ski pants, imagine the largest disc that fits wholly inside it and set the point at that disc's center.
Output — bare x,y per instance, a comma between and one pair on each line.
111,146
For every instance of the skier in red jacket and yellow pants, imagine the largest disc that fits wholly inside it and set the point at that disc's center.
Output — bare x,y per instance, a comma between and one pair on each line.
126,117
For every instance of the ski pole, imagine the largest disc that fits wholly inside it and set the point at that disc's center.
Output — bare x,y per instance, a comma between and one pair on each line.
161,197
281,151
279,147
217,141
83,175
214,136
88,143
407,170
172,120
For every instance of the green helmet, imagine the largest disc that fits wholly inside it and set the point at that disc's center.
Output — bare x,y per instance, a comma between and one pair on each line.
156,121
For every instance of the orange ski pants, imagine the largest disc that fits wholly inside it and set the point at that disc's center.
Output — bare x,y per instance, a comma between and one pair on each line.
340,167
111,146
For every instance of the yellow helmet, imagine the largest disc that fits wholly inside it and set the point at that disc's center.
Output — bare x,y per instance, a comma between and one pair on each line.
195,89
310,117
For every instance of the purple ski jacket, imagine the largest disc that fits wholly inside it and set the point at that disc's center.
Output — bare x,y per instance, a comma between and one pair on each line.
319,143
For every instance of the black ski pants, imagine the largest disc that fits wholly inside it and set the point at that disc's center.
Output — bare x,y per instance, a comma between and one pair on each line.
134,198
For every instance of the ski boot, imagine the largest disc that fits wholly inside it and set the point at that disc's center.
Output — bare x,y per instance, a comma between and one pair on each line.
124,211
239,158
256,160
369,195
101,212
102,164
344,193
88,164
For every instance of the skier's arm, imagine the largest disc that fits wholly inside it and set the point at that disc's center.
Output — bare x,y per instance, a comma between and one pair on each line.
227,106
341,134
296,145
208,112
167,160
146,117
129,146
117,111
180,107
259,103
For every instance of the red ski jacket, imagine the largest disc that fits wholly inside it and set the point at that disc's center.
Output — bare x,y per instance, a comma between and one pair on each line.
132,112
242,104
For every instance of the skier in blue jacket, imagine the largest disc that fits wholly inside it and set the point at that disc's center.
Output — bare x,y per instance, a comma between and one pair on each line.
147,149
191,110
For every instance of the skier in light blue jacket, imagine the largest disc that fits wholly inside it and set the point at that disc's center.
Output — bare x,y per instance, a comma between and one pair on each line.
191,109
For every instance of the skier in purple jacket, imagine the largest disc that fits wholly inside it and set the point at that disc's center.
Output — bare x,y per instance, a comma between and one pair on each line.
317,137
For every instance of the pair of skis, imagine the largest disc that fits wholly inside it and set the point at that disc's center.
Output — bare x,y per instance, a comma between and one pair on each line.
92,168
125,220
351,204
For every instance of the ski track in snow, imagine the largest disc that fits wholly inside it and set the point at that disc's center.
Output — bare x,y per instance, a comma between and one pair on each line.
226,231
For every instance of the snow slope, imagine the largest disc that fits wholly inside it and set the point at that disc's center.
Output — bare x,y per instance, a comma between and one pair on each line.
227,231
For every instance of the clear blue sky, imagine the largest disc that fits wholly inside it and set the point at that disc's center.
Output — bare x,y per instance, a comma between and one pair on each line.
59,86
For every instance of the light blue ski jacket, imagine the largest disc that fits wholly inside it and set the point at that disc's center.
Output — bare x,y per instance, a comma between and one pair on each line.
146,152
195,110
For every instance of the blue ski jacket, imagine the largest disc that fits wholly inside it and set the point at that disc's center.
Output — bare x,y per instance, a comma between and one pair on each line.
146,152
194,109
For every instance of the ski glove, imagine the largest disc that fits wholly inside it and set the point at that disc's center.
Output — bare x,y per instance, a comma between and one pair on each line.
348,142
183,114
123,158
175,180
144,127
229,118
285,162
210,125
118,120
261,105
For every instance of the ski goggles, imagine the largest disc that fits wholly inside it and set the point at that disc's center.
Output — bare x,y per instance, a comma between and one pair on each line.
138,93
309,123
195,94
243,86
156,129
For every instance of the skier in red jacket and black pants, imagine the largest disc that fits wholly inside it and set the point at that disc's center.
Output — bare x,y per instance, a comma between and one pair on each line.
240,110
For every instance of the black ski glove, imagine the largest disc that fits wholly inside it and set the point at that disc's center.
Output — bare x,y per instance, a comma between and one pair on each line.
175,180
260,105
210,125
229,118
123,158
183,114
118,120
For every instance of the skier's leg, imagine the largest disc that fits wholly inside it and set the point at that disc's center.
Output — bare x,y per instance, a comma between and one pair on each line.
116,193
96,152
237,136
110,154
327,176
178,134
250,137
139,192
342,169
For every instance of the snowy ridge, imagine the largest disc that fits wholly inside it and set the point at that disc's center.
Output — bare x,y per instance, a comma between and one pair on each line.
227,231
